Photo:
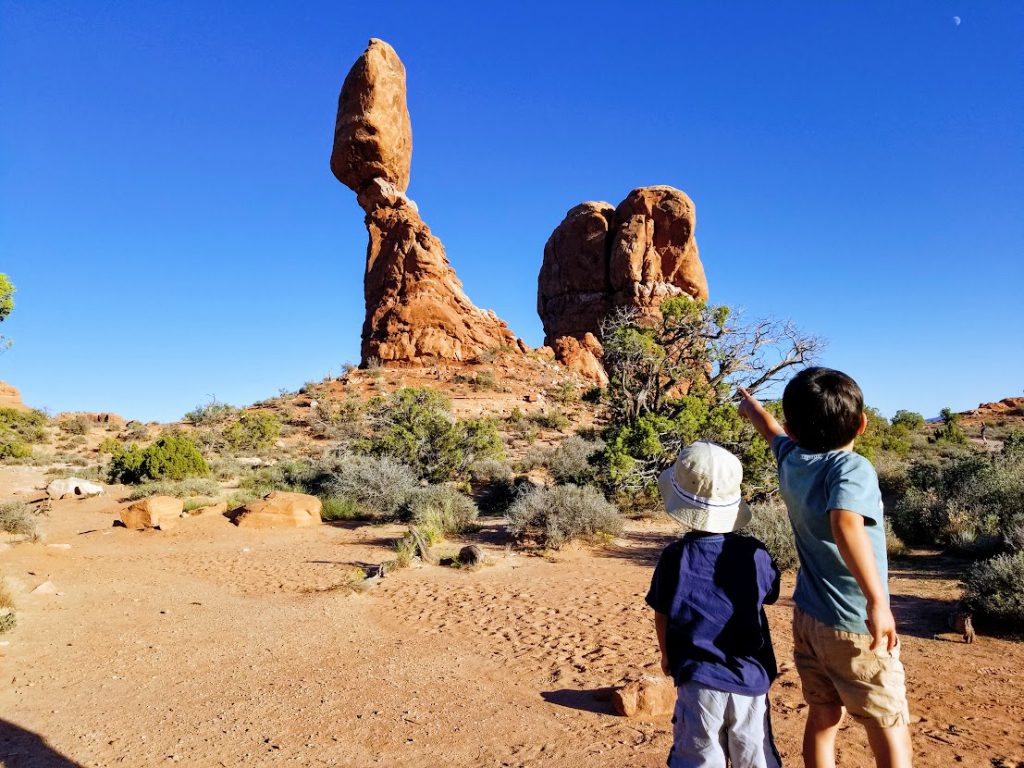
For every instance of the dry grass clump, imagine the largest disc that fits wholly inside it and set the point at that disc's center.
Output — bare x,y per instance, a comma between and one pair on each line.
17,518
7,618
441,508
770,524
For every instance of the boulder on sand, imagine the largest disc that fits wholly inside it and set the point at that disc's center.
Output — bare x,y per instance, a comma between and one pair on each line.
160,512
72,487
280,509
649,696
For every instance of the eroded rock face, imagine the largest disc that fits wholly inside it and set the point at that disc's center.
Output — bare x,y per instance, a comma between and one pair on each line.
10,397
416,309
601,258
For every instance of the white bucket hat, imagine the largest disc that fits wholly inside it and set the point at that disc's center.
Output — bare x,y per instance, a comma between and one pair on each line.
702,489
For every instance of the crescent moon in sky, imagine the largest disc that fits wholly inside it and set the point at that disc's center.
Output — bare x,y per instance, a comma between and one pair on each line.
956,21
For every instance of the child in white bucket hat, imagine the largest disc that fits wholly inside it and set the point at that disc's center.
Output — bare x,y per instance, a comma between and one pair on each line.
708,593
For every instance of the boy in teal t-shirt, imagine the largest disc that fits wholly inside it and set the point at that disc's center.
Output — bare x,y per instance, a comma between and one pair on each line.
844,635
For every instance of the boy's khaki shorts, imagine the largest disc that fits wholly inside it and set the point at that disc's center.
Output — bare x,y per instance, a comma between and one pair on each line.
839,668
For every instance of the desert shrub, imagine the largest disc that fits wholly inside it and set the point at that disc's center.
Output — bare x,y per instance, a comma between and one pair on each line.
379,485
491,471
1013,444
566,392
770,524
252,431
972,503
553,419
14,449
415,427
289,475
994,591
171,457
211,414
7,618
182,489
18,431
339,508
109,445
950,432
16,518
484,380
77,425
594,395
908,419
894,546
562,514
440,508
226,468
570,461
136,430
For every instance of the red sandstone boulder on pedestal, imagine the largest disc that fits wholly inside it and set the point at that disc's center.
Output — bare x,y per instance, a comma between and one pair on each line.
601,258
416,310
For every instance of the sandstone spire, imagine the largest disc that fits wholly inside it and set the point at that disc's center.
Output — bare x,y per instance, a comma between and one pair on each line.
416,310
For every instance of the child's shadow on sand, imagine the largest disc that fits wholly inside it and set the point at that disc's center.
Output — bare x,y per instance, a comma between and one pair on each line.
23,749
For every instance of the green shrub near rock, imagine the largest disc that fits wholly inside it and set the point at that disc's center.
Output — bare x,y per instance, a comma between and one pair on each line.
252,431
171,457
562,514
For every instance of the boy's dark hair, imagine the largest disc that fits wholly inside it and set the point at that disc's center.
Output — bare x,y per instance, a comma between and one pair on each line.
823,409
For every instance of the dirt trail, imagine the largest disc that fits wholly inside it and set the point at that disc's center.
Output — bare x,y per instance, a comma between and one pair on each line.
213,646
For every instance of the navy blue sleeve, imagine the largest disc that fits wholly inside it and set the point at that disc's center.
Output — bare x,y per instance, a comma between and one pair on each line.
664,581
769,576
781,446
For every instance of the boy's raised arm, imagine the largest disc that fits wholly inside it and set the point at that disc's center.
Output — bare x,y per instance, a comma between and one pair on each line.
752,410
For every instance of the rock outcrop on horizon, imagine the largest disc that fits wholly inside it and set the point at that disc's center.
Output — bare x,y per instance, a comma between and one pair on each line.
416,309
601,258
10,397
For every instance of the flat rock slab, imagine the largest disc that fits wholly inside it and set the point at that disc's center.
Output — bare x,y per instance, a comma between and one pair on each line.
280,509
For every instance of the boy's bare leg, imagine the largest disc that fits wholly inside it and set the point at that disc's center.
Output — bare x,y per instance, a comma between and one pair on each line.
891,746
823,722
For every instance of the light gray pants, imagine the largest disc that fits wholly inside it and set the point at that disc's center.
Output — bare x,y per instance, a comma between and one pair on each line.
713,729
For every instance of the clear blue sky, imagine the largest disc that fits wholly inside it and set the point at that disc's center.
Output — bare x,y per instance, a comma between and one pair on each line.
169,218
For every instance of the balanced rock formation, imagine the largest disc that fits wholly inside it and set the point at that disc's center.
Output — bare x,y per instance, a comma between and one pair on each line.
601,258
416,310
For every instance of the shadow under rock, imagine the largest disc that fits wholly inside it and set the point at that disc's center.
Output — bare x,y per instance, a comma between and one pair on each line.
23,749
596,700
641,547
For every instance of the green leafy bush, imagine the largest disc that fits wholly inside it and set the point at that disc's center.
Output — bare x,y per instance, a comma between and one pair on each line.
1013,444
994,591
950,432
909,419
14,450
339,508
553,419
561,514
18,431
211,414
252,431
77,425
566,392
440,508
415,427
770,523
171,457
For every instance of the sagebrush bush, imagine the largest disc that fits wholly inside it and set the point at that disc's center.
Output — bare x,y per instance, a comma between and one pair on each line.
77,425
252,431
442,508
770,524
994,591
171,457
378,484
571,460
18,519
491,471
562,514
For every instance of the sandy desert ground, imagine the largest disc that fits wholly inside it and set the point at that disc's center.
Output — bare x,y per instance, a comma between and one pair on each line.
212,646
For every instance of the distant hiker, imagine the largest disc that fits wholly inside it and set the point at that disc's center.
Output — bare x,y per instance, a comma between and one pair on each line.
984,429
708,594
844,635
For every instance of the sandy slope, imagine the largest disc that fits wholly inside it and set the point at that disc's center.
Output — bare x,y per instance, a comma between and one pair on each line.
213,646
